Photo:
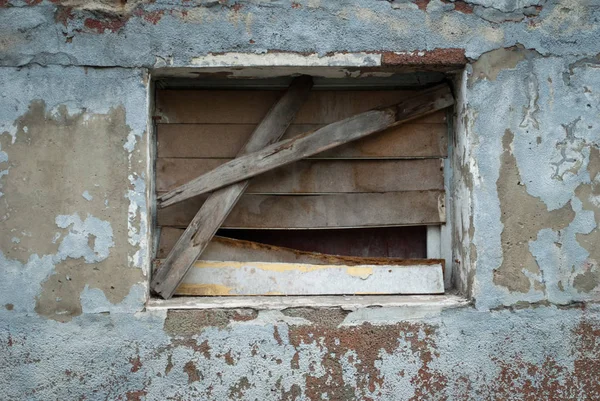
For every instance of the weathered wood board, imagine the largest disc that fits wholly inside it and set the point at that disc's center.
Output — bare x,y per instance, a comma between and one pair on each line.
317,176
228,278
320,211
409,140
250,106
311,143
282,153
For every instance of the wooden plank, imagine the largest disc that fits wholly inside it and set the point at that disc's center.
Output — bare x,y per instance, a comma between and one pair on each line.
317,176
249,106
320,211
311,143
216,278
354,246
213,212
222,248
225,140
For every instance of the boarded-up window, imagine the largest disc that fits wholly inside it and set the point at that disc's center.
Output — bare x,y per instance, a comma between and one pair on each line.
349,220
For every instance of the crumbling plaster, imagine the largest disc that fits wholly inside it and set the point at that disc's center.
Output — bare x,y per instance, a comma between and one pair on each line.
75,172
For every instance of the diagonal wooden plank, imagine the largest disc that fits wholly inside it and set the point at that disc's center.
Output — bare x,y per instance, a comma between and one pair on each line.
216,208
311,143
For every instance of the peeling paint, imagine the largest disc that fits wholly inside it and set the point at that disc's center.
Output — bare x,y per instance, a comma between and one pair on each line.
286,60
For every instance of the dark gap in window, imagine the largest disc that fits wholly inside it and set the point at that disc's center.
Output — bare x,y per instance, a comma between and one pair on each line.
387,242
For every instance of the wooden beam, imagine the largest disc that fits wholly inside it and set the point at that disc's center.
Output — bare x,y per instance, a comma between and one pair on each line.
214,211
321,211
317,176
311,143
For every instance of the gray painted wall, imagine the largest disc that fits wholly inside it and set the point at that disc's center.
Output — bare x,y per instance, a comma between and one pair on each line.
74,206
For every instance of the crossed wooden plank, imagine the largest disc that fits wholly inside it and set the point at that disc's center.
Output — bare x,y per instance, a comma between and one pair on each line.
263,153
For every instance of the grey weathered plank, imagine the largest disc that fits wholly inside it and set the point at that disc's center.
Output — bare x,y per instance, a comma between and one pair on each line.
225,140
213,212
225,278
317,176
320,211
249,106
311,143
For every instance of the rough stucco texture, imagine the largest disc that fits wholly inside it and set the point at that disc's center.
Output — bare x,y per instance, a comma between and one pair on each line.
74,220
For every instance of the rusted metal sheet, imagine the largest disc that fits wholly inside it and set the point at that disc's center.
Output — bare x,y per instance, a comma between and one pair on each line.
317,176
250,106
409,140
299,246
320,211
260,278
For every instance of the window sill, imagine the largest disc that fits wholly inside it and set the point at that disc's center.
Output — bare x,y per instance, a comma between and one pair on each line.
351,302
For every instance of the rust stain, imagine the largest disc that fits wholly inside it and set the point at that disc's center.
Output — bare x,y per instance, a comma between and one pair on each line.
150,16
277,336
460,6
169,366
237,391
110,23
422,4
527,381
63,15
229,358
295,362
193,374
137,395
587,365
368,342
245,316
136,364
188,323
449,57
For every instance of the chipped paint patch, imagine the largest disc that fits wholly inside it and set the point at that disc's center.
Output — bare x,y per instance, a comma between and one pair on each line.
282,59
46,198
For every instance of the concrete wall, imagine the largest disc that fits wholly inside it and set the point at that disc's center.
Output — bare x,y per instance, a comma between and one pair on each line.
75,225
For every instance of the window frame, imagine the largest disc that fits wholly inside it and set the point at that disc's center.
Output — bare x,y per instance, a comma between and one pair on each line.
438,246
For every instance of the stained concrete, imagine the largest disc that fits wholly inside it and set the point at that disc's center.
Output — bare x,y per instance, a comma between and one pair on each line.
76,174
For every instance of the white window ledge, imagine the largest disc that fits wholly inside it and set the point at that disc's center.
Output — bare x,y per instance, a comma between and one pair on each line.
284,302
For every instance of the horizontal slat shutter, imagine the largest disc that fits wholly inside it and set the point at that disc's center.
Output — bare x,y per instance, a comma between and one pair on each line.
320,211
250,106
390,179
408,141
317,176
